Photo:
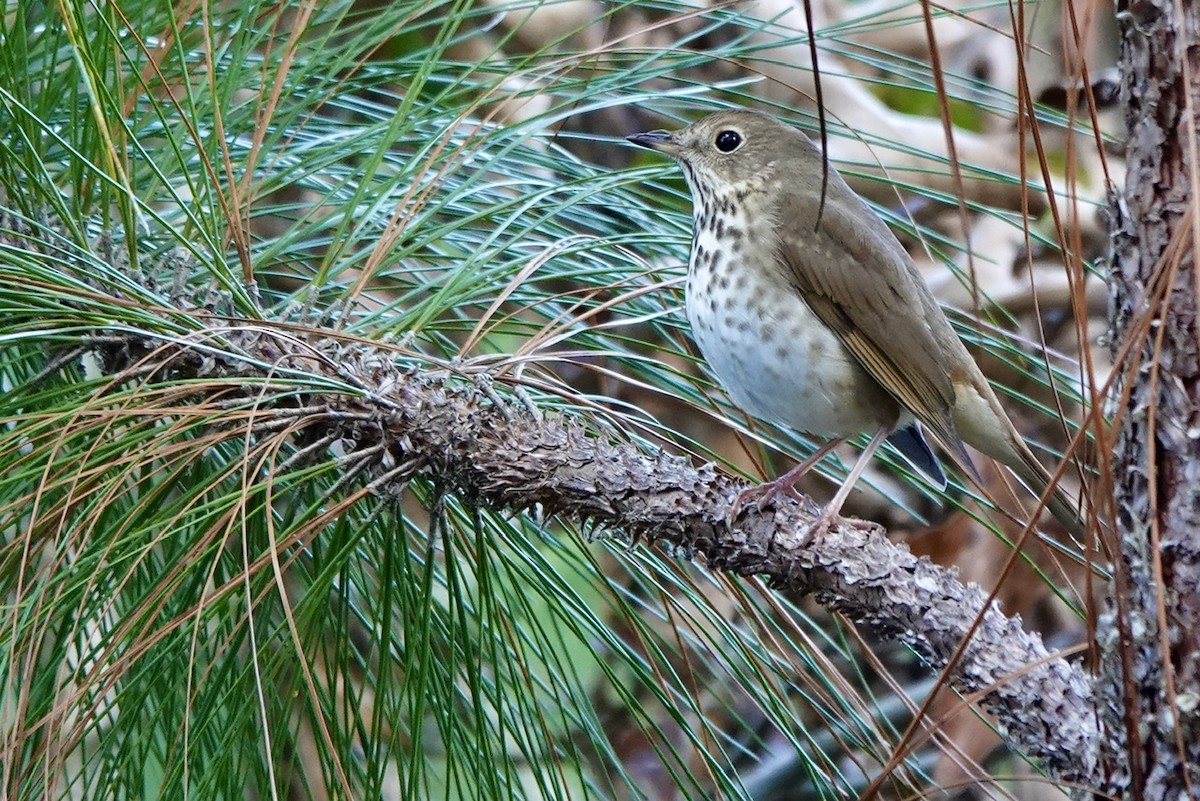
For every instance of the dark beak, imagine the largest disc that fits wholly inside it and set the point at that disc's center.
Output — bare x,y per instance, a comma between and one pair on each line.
662,142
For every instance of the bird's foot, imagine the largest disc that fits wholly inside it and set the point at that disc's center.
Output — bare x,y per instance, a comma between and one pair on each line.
829,516
826,520
765,493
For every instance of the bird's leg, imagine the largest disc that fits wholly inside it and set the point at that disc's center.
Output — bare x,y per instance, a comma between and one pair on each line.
785,483
832,510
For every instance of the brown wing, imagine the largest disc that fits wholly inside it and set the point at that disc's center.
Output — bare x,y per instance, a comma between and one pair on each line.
856,277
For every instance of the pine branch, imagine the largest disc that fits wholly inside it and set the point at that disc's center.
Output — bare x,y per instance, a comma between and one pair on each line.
392,423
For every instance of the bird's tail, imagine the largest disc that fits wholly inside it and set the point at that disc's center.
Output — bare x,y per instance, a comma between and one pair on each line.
980,420
1038,479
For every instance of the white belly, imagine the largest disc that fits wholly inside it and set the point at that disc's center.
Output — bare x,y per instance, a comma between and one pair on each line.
777,360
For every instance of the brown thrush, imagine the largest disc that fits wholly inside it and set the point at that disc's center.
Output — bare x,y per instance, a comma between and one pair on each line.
826,327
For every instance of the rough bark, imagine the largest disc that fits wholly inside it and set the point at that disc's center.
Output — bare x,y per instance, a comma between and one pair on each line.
453,427
1150,635
492,451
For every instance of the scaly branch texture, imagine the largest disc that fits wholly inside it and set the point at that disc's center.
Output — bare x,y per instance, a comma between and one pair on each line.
499,453
455,429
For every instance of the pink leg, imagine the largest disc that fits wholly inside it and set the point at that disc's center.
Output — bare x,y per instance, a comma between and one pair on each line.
785,483
834,507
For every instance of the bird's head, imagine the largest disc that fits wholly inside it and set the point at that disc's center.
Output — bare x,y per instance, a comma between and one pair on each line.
732,149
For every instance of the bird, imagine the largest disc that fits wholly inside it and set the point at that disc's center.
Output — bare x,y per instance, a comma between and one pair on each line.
813,316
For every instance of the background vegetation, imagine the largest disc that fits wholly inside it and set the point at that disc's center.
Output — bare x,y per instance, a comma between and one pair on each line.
199,607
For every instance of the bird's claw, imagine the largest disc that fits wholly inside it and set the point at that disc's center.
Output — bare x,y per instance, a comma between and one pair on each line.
826,520
764,494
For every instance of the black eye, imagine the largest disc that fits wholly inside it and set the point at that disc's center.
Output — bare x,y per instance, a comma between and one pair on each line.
728,141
